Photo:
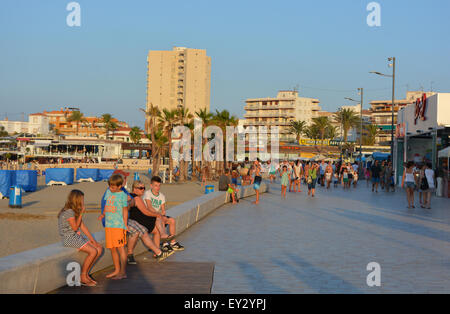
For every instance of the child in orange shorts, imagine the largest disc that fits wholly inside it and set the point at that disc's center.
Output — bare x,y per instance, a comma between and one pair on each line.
116,218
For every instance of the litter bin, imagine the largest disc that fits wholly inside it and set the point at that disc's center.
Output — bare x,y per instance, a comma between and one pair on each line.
209,189
15,197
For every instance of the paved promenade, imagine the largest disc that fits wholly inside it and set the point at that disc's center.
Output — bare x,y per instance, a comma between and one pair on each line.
323,244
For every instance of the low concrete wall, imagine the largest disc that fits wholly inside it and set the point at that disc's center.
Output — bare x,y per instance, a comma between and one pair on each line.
43,269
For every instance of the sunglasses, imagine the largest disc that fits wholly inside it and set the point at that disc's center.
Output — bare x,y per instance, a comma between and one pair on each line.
141,188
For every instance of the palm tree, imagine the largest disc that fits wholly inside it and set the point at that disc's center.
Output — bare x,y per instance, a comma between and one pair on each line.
167,121
321,124
206,117
151,116
223,119
348,119
183,117
108,123
76,117
298,128
135,134
331,132
312,132
3,133
158,143
372,132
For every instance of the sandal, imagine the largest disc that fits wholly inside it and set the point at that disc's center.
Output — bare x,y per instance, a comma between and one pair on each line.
89,284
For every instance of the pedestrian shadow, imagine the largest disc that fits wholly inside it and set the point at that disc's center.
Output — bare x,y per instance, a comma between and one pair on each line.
366,232
257,280
314,277
392,224
421,217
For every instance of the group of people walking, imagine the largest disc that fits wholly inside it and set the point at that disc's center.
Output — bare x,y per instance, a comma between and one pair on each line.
421,179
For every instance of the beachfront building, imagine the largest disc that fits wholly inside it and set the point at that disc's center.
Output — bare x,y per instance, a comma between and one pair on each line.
423,129
37,125
381,114
76,149
180,78
90,127
280,111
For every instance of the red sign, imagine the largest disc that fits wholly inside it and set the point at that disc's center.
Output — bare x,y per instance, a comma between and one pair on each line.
421,107
400,130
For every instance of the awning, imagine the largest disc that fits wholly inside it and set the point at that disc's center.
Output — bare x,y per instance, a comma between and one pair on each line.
445,153
42,143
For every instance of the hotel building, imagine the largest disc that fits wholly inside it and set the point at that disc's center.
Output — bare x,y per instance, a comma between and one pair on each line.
180,78
381,113
280,111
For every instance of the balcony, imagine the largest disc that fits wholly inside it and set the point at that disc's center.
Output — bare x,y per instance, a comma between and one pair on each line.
269,115
259,106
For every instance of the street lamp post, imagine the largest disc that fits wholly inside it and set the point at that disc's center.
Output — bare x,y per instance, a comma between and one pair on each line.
392,59
361,93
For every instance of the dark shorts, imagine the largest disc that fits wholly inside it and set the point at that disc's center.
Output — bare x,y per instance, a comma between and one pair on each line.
144,220
312,185
375,180
257,182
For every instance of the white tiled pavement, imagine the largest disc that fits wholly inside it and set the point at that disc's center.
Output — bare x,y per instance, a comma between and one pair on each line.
323,244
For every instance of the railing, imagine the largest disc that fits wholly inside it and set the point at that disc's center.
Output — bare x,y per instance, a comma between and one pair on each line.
281,106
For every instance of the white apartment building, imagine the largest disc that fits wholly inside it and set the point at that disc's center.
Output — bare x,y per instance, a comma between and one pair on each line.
280,111
37,124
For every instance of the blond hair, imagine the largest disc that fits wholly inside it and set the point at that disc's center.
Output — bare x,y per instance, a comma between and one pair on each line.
75,202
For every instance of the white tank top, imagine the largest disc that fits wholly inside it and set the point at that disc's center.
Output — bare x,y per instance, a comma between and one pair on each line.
409,177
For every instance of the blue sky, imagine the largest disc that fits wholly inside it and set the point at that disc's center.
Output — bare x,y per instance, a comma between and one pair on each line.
257,48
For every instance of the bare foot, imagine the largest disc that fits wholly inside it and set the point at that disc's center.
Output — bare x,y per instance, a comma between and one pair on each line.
92,280
114,274
119,277
88,284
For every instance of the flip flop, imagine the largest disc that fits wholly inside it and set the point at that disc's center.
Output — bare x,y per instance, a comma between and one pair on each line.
91,284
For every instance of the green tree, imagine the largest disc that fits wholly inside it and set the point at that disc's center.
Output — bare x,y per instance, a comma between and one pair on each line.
222,119
348,119
371,133
332,132
298,128
108,123
167,121
151,117
159,143
76,117
321,124
3,133
183,118
135,134
312,132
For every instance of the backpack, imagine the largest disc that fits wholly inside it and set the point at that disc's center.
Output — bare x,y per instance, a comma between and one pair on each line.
424,184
